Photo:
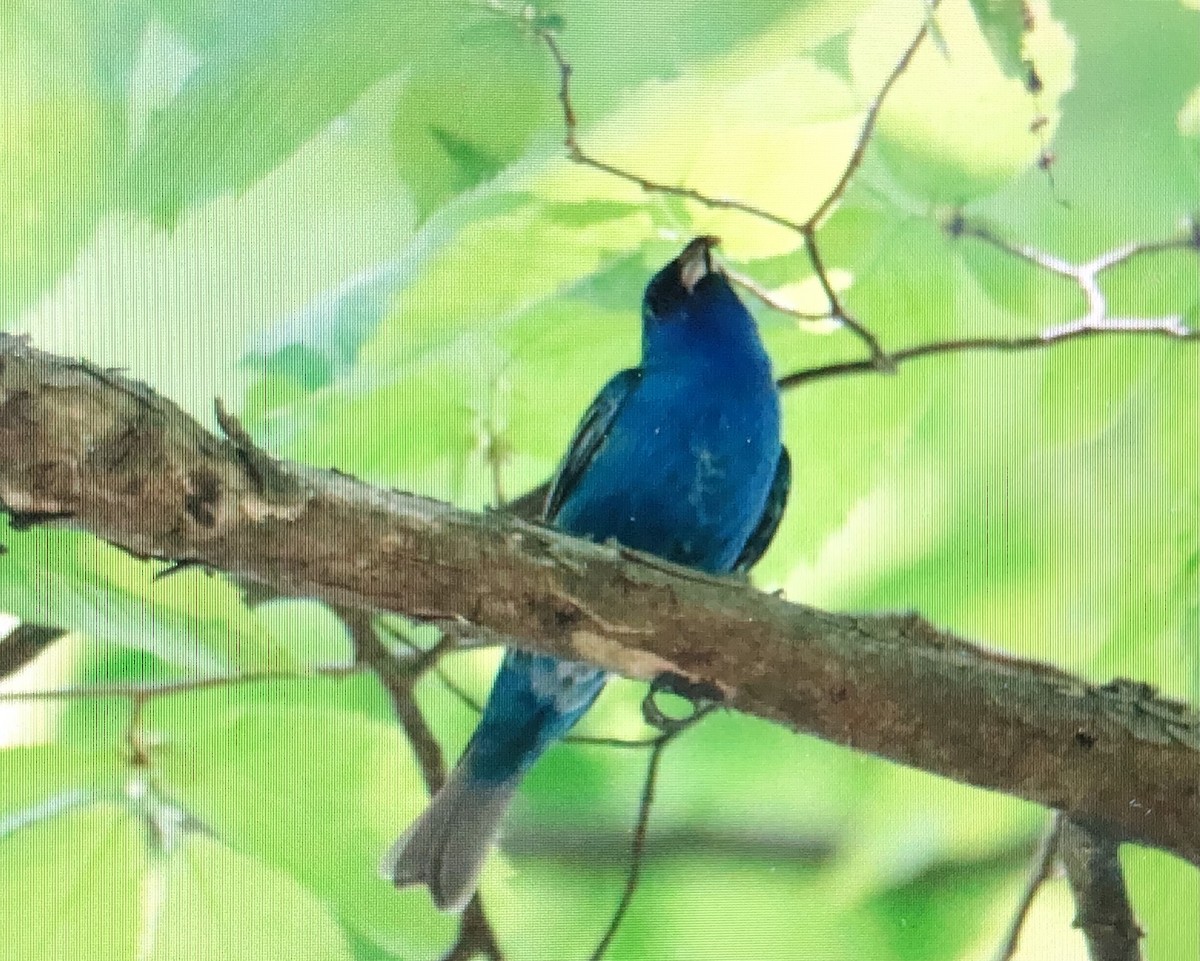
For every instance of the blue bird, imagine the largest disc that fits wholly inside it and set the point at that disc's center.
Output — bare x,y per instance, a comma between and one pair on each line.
679,457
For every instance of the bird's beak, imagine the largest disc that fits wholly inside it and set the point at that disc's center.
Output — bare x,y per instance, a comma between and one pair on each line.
695,262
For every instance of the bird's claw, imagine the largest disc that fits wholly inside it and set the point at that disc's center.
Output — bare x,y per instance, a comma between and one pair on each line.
702,696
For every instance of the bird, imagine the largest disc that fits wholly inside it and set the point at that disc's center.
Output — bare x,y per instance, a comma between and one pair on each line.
680,457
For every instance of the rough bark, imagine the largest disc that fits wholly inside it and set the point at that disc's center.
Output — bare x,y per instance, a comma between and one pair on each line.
91,449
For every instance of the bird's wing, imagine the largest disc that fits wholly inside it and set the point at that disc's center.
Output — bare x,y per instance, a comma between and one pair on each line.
763,533
589,437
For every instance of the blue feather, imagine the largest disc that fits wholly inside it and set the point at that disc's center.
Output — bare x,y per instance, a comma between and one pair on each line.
679,457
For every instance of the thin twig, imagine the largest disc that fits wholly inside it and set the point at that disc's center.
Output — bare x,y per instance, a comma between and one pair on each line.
595,740
638,847
806,229
769,297
1169,328
398,677
189,685
879,359
637,850
1043,867
137,751
868,128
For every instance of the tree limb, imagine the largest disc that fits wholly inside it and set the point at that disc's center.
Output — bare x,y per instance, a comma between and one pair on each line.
24,643
104,454
1102,905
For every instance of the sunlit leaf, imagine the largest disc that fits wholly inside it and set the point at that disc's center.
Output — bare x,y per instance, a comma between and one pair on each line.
78,583
1003,22
317,793
274,74
957,125
60,139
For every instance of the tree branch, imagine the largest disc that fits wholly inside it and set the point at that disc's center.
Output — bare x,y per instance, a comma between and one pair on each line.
807,229
1168,328
1102,905
130,467
1093,322
24,643
475,935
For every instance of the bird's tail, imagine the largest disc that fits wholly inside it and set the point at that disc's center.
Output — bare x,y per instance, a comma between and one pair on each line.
446,846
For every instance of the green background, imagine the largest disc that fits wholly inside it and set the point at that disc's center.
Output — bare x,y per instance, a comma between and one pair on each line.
353,221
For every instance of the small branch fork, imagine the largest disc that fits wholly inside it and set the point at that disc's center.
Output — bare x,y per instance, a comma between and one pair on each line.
476,938
1087,275
1102,909
1095,320
807,229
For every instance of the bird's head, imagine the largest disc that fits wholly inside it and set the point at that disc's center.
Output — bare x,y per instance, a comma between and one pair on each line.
689,308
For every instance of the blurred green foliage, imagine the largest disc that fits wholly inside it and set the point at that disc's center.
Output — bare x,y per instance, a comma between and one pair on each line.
353,220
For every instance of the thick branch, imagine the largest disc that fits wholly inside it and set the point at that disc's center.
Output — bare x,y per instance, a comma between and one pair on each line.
106,455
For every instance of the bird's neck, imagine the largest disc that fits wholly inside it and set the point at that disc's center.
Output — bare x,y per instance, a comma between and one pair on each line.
729,351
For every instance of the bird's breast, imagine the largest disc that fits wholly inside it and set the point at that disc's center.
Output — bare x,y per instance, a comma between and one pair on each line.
684,472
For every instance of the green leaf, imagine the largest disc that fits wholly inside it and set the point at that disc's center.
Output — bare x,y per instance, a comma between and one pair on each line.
108,883
82,872
472,107
316,792
909,823
37,784
1003,24
959,126
273,75
211,895
61,141
78,583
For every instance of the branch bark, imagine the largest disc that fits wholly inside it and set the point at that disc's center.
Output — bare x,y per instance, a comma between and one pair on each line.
24,643
1103,912
104,454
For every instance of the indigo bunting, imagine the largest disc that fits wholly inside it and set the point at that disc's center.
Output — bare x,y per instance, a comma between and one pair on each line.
679,457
